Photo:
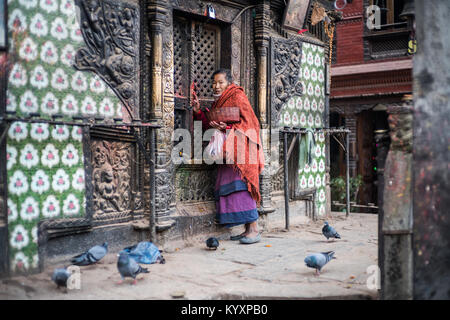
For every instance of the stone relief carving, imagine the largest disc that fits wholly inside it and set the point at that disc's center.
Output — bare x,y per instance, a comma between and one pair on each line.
111,33
286,63
111,176
195,184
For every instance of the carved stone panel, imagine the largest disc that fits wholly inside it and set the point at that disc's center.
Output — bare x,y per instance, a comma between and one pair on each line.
114,197
195,184
111,32
286,57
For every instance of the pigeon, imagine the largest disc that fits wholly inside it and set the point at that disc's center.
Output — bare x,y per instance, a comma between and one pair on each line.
60,277
128,267
145,252
329,232
93,255
318,260
212,243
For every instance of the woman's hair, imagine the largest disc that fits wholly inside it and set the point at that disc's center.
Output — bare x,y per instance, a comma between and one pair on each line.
226,72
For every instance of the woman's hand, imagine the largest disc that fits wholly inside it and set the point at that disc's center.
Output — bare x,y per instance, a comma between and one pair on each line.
220,126
195,104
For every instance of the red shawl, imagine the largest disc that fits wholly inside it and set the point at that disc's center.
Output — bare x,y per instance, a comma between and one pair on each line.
246,136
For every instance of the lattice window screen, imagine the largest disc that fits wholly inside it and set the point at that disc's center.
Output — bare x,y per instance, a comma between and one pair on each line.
196,57
180,32
205,58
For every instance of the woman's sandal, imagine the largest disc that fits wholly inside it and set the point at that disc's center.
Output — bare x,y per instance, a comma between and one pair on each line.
246,240
237,237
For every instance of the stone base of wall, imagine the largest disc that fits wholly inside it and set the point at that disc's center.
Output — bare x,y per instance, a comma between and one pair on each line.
60,250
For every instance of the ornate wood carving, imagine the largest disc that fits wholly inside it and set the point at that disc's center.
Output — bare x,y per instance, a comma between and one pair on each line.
111,32
165,189
236,39
262,36
113,194
286,63
248,63
198,7
195,184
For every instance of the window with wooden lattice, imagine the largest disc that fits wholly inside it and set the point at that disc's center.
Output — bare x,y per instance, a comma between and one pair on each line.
196,57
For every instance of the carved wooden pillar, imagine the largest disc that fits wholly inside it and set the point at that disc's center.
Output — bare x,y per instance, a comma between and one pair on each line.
262,29
157,13
162,103
262,38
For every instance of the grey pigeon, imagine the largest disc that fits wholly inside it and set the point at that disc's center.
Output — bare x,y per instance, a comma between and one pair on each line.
329,232
93,255
212,243
128,267
318,260
60,277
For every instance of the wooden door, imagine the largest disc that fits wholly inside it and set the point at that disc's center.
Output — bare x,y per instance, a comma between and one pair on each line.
366,157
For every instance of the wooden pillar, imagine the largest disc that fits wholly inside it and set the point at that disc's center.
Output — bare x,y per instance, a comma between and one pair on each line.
262,37
157,13
262,43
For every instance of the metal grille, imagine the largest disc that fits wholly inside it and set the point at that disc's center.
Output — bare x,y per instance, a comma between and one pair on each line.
393,47
398,44
205,58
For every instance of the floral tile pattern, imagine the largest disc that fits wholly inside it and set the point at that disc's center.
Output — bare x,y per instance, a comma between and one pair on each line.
45,166
308,111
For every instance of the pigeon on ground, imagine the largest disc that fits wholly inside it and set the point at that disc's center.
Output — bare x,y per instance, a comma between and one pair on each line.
128,267
318,260
60,277
93,255
212,243
329,232
145,252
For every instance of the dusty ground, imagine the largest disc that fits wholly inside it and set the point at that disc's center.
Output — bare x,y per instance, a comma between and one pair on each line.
271,269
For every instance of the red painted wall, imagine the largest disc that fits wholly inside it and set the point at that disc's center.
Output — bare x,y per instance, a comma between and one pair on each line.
349,34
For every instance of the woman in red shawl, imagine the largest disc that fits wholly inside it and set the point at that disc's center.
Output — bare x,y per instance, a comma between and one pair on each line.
237,186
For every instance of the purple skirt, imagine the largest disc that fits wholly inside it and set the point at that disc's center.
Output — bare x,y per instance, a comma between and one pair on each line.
234,203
